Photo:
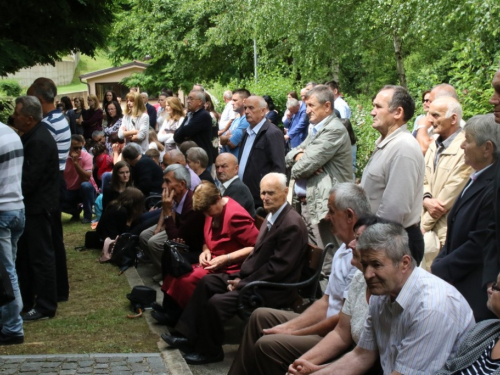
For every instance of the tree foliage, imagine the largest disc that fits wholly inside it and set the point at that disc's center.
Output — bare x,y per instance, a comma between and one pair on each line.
34,32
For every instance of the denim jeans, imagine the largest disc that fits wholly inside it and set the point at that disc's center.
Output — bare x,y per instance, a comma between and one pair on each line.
11,228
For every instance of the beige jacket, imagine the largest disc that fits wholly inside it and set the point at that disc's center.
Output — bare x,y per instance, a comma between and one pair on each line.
445,183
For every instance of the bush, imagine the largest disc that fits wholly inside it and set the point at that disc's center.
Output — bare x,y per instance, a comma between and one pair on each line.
11,87
6,108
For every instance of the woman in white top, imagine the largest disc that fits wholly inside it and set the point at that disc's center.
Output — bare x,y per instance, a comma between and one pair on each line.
175,112
161,113
135,123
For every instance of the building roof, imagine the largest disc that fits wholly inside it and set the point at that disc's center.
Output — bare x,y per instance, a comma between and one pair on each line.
114,69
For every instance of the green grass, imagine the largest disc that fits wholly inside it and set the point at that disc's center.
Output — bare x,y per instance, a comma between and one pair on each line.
85,65
94,319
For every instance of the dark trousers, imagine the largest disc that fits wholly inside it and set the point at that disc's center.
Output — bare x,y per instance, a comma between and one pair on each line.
202,321
36,265
58,244
416,242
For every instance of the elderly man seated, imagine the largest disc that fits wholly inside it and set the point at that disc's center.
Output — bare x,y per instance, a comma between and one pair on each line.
226,167
277,256
179,220
274,338
416,321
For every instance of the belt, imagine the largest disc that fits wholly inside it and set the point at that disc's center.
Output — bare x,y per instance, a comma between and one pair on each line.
413,226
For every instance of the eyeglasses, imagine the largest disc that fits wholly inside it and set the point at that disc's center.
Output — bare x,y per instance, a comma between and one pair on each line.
495,287
426,101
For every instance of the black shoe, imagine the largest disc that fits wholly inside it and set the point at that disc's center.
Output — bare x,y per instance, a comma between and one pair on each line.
201,359
34,315
157,307
10,340
180,343
86,221
164,318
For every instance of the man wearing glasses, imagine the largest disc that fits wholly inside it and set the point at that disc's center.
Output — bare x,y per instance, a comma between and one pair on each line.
197,126
77,175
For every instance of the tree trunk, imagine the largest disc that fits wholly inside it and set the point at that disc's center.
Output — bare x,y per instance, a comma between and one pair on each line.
398,51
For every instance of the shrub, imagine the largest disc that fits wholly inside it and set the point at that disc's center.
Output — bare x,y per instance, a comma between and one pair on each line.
11,87
6,108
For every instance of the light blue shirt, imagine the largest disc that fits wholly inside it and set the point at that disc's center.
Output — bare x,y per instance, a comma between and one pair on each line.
238,125
245,153
301,184
178,207
271,218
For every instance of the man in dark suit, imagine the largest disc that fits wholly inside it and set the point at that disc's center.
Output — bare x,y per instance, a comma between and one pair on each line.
197,126
226,167
146,174
151,110
40,184
262,149
460,262
491,252
278,256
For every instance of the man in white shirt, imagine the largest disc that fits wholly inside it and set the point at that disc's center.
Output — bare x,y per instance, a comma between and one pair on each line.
228,115
416,321
339,103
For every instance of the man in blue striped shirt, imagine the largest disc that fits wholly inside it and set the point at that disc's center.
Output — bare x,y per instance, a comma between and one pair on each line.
415,320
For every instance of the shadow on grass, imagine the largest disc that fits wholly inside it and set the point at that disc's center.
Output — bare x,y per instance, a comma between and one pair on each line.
94,319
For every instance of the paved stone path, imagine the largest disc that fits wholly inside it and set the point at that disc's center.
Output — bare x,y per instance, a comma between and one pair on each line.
76,364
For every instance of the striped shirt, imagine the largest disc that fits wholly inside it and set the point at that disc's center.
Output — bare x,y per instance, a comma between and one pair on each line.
11,169
58,126
484,364
417,332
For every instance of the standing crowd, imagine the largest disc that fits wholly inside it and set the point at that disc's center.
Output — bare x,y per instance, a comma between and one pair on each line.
409,281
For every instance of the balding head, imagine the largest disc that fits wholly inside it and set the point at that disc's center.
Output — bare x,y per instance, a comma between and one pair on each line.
173,157
226,166
443,90
445,114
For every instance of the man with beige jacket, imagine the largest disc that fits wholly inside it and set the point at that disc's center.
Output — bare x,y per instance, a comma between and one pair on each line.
445,174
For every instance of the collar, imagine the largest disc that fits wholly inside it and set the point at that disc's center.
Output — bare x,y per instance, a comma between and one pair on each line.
482,170
229,182
53,112
257,127
178,207
271,218
406,295
322,123
447,142
382,143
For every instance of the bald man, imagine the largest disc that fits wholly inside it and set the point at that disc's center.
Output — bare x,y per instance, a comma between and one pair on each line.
425,134
445,174
226,167
177,157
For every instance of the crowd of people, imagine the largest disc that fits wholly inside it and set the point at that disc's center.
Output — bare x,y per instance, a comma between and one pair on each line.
415,259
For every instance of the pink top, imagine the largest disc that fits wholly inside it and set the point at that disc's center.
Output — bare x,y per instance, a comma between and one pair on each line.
73,180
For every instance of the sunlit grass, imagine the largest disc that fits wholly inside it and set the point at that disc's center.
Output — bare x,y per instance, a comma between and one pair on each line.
94,319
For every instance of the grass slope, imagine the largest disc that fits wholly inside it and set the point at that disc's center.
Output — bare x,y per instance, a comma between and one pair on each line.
94,319
85,65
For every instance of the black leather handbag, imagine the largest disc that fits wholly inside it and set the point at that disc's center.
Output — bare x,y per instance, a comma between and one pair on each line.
172,262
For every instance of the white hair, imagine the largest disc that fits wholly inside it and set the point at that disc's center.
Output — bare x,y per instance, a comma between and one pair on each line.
280,177
292,102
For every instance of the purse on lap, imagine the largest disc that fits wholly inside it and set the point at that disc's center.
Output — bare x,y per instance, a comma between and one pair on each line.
173,263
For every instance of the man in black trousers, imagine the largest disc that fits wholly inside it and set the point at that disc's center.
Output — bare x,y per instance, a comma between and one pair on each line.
35,257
